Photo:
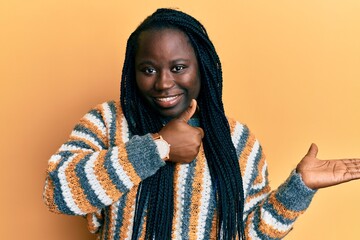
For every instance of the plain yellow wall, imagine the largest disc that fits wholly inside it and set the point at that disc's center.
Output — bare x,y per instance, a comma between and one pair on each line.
291,72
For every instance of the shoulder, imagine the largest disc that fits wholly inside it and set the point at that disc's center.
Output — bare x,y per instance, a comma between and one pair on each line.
107,112
108,108
236,127
242,137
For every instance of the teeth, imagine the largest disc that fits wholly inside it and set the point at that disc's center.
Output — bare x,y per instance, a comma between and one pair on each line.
167,99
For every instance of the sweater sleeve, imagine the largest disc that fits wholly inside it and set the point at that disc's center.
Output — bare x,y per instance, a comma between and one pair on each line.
98,163
267,214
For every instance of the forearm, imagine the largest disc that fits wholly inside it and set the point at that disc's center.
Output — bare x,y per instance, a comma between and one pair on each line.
274,216
83,181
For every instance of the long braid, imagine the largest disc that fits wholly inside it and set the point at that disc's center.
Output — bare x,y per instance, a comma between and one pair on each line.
219,149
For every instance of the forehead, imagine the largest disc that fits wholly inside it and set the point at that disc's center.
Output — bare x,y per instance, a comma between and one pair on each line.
160,42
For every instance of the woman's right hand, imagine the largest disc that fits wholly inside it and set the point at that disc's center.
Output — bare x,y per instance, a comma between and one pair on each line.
184,140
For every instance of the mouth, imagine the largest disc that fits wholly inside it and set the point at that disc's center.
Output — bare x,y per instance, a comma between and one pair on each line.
168,101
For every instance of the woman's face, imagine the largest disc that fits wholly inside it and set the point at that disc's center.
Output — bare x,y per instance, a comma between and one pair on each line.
167,72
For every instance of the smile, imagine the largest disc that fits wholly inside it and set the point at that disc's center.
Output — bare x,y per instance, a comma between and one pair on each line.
168,102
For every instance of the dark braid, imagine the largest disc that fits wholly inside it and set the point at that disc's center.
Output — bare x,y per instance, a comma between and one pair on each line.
219,149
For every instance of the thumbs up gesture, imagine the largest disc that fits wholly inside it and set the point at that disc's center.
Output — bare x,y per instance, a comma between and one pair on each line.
185,140
325,173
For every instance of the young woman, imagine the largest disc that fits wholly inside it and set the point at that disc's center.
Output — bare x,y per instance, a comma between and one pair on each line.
166,163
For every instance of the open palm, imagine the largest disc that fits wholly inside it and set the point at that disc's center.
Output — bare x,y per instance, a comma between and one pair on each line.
325,173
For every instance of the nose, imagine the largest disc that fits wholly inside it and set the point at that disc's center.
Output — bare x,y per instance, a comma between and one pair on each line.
164,80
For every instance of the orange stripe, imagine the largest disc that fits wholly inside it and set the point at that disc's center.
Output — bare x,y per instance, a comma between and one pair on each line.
248,224
214,224
119,129
282,210
77,138
176,191
90,223
104,179
270,231
245,153
127,166
143,229
52,166
127,215
111,222
75,187
232,124
49,196
123,157
90,125
266,189
196,194
259,178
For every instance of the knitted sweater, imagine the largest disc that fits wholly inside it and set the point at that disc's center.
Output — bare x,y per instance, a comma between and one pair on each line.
96,174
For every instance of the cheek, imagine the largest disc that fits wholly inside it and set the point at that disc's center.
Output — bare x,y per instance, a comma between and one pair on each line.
196,85
142,84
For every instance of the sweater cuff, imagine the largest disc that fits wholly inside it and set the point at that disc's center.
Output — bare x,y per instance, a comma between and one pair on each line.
143,155
294,194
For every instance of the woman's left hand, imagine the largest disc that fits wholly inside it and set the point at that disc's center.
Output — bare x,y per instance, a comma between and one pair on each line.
325,173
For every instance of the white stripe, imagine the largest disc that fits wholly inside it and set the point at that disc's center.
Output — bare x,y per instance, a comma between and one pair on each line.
95,221
114,213
238,131
107,116
119,169
130,228
179,204
66,147
97,122
254,201
94,183
252,232
125,130
270,220
204,202
65,189
249,170
55,158
85,137
263,182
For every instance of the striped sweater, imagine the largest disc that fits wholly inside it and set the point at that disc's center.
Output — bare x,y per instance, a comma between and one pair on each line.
96,173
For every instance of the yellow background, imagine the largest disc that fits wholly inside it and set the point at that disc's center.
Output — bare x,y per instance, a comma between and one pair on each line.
291,72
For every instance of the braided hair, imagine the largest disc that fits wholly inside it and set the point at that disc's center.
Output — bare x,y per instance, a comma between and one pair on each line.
155,195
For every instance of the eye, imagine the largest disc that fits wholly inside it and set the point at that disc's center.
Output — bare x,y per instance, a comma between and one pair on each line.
178,68
148,70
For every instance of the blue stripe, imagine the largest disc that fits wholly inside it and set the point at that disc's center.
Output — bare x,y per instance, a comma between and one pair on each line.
79,144
187,200
97,114
107,213
58,195
112,172
112,127
119,217
83,129
242,141
270,208
143,156
210,215
256,221
255,173
84,182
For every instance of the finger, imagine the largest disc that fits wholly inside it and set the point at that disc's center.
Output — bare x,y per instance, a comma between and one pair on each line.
189,112
313,150
201,131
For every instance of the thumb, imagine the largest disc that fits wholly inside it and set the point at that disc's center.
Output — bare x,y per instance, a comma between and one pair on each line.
313,150
189,112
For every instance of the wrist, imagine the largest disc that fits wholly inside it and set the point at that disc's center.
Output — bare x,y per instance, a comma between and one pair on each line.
162,146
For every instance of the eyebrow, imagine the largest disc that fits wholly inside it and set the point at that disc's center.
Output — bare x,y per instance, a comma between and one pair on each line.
149,62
